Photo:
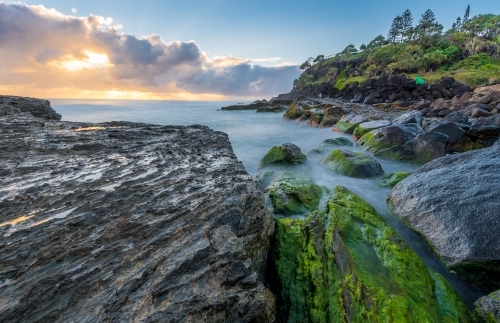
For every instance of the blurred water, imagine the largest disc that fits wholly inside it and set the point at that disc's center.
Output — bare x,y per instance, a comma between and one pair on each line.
252,135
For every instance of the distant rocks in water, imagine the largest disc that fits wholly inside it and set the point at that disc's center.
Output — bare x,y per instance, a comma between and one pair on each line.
259,105
454,203
127,222
352,164
344,264
487,308
287,153
293,194
11,105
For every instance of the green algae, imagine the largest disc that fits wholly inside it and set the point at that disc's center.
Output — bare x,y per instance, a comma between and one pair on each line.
278,155
291,194
346,265
329,144
345,127
488,313
352,164
294,111
370,143
390,180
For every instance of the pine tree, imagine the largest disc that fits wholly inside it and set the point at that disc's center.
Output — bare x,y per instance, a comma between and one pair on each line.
428,25
466,15
406,24
396,29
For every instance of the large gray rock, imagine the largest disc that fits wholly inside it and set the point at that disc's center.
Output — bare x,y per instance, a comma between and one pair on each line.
125,222
10,105
454,132
454,203
429,146
487,308
413,116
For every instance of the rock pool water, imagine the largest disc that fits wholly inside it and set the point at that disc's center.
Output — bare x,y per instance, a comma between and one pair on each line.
252,135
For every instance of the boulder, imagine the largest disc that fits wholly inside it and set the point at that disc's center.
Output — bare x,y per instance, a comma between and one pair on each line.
390,180
11,105
477,113
447,81
328,121
293,112
394,135
369,126
352,164
328,145
315,119
429,146
370,99
454,203
349,122
413,116
346,264
487,308
293,194
287,153
128,222
484,130
457,117
468,110
454,132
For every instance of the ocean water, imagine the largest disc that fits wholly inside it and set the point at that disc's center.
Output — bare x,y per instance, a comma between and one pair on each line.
252,135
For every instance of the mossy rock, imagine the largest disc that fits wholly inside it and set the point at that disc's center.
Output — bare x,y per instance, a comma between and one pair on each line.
293,112
465,144
293,194
263,179
352,164
329,144
348,123
285,154
369,126
487,308
346,265
390,180
328,121
369,142
315,120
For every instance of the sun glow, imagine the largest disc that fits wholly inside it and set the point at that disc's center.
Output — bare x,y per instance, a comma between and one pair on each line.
92,61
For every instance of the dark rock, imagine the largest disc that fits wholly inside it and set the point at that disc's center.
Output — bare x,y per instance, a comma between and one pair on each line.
460,89
454,132
349,122
38,108
447,81
287,153
477,112
454,203
369,126
413,116
370,99
352,164
457,117
160,224
436,94
444,112
429,146
468,110
422,104
396,134
328,145
484,130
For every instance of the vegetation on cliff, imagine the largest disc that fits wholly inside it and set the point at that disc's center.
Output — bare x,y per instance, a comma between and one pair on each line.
469,51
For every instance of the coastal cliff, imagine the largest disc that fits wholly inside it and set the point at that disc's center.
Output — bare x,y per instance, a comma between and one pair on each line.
123,221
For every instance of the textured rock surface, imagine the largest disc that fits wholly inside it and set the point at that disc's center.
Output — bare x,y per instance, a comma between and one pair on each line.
454,203
349,122
352,164
120,222
487,308
11,105
287,153
331,144
346,265
369,126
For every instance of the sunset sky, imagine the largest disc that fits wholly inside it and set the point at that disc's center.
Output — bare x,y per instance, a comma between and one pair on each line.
185,50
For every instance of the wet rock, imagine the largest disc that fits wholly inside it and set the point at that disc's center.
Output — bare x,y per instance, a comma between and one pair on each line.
429,146
294,111
369,126
315,119
161,223
293,194
331,144
453,202
349,122
487,308
447,81
287,153
468,110
346,265
372,97
413,116
477,113
352,164
328,121
11,105
485,131
390,180
457,117
454,132
394,135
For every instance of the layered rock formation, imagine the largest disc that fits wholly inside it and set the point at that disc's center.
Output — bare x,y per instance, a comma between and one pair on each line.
127,222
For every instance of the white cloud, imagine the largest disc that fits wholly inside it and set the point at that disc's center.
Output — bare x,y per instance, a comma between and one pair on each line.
73,11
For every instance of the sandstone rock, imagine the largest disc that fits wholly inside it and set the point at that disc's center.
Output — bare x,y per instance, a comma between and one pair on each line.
487,308
126,222
352,164
349,122
39,108
457,211
287,153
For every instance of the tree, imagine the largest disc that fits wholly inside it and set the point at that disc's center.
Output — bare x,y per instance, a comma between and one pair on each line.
406,24
396,29
319,59
466,15
427,25
362,47
485,26
349,50
377,42
305,65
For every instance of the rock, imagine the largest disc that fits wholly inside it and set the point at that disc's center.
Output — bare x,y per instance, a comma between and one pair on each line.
485,131
293,112
270,108
287,153
346,265
387,137
460,89
454,132
370,99
444,112
429,146
328,121
128,222
447,81
413,116
349,122
293,194
457,117
390,180
369,126
468,110
315,120
38,108
352,164
317,111
477,112
487,308
422,104
456,210
330,144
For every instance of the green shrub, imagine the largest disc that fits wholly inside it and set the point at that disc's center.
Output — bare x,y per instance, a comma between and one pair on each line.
473,62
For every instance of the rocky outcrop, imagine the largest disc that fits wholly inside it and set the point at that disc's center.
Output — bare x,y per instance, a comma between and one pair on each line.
11,105
454,203
345,264
487,308
128,222
349,122
287,154
352,164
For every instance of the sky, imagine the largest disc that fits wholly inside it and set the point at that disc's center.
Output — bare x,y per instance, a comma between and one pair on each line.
186,50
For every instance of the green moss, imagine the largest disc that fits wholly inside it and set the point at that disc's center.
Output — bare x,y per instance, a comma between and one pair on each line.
278,155
466,145
345,127
329,144
293,112
291,194
346,264
369,142
352,164
328,121
390,180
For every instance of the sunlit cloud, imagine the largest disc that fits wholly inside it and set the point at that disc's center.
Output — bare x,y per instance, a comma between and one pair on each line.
64,55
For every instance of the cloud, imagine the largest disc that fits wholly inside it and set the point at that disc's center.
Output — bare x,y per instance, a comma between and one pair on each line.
73,11
47,50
